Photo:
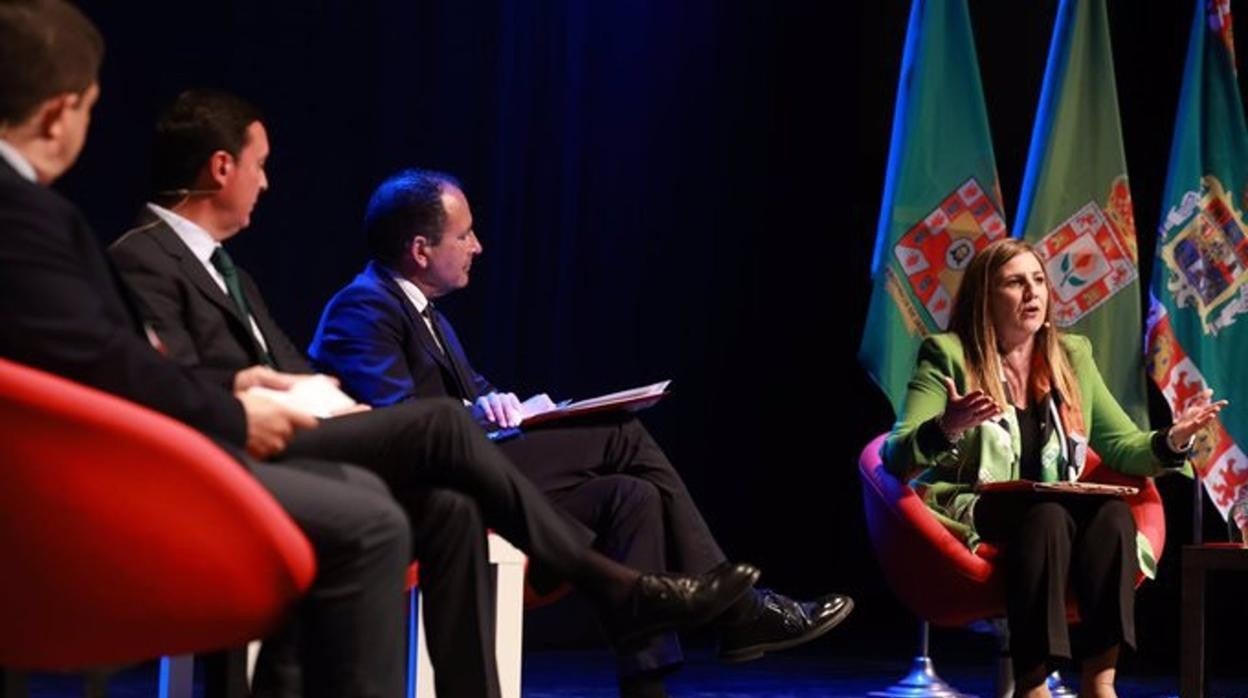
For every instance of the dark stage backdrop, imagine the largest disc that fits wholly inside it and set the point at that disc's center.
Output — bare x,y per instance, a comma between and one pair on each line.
664,189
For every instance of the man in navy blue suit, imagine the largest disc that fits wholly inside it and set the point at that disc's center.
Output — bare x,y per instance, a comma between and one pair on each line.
382,337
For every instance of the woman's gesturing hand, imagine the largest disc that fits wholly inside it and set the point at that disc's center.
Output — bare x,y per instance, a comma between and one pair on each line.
1199,411
964,412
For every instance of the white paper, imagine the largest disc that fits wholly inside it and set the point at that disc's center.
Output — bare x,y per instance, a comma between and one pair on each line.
317,395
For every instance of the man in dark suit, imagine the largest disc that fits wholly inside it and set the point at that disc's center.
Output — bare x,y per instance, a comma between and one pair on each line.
208,171
381,336
65,312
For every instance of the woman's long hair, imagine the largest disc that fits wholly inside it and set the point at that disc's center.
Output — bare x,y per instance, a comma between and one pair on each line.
971,320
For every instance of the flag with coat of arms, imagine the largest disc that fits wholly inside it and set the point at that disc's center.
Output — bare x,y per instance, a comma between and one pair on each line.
941,198
1198,314
1075,205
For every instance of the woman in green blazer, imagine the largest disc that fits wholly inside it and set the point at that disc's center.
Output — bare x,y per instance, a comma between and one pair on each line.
1005,396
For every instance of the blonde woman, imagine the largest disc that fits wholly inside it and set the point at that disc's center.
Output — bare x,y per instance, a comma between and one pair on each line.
1004,395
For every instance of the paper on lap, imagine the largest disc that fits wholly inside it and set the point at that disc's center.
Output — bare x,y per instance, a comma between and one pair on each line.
317,395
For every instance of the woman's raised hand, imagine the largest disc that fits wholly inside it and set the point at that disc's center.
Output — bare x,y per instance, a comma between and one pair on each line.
963,412
1199,411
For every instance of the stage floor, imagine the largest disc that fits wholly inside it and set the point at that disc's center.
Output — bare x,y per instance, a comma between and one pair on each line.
589,674
804,675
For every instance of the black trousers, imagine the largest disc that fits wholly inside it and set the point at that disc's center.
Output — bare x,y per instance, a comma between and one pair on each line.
610,475
453,483
1050,543
350,625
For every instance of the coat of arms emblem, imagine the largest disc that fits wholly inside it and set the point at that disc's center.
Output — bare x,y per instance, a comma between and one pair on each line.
933,253
1090,256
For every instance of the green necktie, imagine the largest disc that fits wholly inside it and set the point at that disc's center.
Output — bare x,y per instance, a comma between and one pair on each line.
229,273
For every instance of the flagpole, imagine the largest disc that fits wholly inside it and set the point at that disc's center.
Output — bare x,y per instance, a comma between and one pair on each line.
1198,511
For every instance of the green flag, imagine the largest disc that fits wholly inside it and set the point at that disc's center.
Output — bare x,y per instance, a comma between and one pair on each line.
1075,205
941,198
1196,337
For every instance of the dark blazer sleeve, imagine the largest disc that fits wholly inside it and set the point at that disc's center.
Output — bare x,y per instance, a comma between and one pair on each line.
64,313
916,441
161,300
196,331
361,340
482,385
1112,433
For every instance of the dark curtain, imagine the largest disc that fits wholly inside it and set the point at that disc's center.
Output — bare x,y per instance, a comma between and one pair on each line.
641,179
681,189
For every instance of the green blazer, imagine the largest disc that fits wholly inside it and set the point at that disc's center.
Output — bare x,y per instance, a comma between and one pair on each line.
945,474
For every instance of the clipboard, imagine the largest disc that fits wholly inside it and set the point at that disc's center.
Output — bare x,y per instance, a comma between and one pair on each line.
1095,488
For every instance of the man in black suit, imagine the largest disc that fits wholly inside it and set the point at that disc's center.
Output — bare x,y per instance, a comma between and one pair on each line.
382,338
208,171
64,311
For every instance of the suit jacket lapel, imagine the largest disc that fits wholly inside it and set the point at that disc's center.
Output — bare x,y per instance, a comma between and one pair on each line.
268,326
191,267
455,353
427,343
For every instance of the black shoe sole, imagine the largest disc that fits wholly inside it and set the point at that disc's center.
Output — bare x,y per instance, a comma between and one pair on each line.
632,635
752,652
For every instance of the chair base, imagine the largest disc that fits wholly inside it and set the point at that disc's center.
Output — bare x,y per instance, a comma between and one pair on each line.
921,682
1057,688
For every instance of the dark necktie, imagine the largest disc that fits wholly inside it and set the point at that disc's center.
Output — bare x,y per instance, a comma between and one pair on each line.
220,260
432,317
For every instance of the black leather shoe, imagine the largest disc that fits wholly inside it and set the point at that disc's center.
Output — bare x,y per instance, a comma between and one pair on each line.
672,601
781,623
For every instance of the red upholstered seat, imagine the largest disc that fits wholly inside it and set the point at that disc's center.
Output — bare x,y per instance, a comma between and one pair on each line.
413,576
126,535
932,571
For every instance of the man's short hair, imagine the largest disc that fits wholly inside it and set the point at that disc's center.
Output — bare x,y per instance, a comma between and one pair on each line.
404,206
47,48
195,125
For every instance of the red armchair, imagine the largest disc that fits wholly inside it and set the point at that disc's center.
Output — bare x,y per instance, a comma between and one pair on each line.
932,571
127,535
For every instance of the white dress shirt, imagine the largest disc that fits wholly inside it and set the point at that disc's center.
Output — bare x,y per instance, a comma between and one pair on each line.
420,302
202,245
17,161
